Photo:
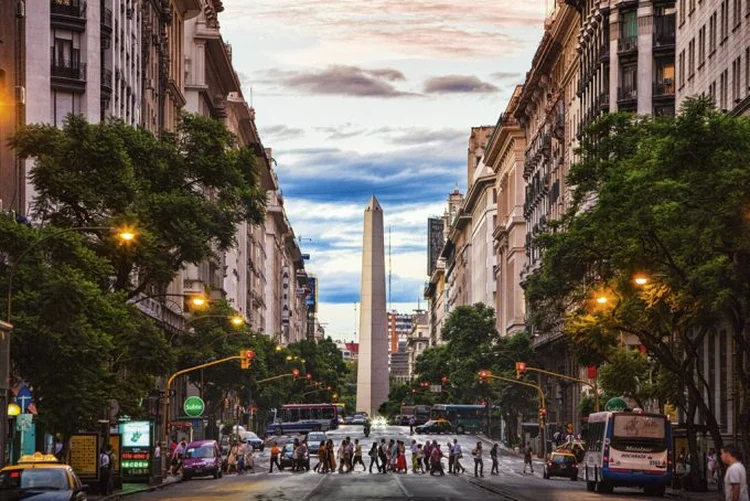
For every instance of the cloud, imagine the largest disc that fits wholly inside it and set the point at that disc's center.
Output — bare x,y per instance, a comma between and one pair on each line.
416,27
344,131
506,75
457,84
342,81
277,132
416,136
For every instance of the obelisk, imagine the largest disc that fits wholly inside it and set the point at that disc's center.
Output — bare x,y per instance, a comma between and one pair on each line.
372,372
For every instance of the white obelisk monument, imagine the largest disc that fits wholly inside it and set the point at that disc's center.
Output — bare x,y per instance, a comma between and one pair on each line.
372,372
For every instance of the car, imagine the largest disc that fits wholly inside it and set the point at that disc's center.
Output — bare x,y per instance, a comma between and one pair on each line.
251,438
41,477
202,458
359,419
314,438
576,447
286,457
435,426
561,464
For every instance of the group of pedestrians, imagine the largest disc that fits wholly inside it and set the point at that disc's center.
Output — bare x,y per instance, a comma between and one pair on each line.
390,457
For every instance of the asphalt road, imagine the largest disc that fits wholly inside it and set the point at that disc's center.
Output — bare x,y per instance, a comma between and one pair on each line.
511,484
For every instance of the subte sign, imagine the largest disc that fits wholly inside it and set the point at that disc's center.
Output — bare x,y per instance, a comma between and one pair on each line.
194,406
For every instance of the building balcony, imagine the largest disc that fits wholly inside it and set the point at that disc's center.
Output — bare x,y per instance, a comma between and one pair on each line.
604,101
68,75
106,79
627,45
664,89
604,52
68,14
627,94
664,33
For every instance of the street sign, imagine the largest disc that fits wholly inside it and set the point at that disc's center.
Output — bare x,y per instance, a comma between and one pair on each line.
24,422
436,388
194,406
24,399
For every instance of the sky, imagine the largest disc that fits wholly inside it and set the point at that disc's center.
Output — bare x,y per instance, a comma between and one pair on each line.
376,97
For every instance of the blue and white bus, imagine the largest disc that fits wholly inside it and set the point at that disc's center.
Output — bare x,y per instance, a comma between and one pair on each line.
303,418
629,449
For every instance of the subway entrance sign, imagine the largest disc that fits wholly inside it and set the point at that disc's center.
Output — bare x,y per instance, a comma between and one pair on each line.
194,406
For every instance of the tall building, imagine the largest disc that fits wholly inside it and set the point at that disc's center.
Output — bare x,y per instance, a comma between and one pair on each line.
713,53
399,327
546,111
435,242
418,339
505,156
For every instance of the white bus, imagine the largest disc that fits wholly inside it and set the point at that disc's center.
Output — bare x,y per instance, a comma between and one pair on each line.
630,449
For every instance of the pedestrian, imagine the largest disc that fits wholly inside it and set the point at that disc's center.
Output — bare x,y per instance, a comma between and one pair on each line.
414,456
330,456
451,458
401,461
350,453
735,478
321,466
241,455
412,422
713,464
275,451
435,460
358,455
105,472
250,460
527,461
420,457
457,456
394,456
374,456
383,454
342,452
495,464
427,455
478,461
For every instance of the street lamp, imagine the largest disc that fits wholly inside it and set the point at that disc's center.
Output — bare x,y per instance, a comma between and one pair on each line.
640,279
602,299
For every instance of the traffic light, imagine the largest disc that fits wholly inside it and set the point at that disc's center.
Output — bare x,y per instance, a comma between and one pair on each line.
247,357
484,376
542,414
295,374
309,377
520,369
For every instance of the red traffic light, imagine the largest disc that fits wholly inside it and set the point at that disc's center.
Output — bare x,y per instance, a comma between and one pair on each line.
520,368
309,377
444,380
249,354
295,372
328,388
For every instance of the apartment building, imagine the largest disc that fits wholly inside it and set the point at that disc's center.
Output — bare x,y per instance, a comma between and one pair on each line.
418,340
505,157
399,327
546,112
713,52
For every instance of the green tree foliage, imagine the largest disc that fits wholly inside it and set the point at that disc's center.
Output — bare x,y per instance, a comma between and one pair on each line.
185,193
472,343
76,344
668,198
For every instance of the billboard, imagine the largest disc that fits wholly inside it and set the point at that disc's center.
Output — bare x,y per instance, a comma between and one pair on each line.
435,242
312,293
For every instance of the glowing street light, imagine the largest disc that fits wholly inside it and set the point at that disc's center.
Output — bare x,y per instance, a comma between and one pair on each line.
641,280
602,299
126,234
237,321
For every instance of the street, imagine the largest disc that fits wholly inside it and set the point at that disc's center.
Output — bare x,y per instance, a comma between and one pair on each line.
512,483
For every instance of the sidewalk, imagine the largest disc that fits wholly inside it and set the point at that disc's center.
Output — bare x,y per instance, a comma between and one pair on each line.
131,489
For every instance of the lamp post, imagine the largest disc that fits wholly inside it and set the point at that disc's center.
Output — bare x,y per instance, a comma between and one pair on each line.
125,235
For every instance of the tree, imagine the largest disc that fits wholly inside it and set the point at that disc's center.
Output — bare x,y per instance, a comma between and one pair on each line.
185,192
667,198
77,345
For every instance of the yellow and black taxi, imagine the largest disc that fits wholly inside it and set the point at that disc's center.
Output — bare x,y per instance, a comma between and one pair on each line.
40,477
435,426
561,463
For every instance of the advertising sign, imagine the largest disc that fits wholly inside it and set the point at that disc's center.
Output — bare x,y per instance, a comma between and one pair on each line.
84,455
115,445
135,457
136,434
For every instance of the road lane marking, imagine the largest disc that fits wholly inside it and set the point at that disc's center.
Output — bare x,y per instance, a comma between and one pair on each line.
316,488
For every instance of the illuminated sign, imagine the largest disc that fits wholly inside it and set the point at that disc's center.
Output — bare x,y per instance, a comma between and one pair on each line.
136,434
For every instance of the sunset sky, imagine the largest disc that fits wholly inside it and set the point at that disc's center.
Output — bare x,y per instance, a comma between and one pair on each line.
374,97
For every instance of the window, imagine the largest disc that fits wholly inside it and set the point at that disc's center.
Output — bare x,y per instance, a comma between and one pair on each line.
736,80
681,68
723,87
664,77
691,59
712,34
682,12
724,27
702,46
629,27
712,91
692,6
736,14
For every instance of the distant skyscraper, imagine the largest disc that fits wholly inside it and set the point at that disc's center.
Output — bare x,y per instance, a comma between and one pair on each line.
372,372
435,241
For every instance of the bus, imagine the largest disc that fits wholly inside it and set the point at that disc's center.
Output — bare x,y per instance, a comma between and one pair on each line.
631,449
463,418
303,418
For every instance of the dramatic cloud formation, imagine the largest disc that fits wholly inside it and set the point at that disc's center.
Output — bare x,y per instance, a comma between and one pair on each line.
504,76
280,132
343,81
457,84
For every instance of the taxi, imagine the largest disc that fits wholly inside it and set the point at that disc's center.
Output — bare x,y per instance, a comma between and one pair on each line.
40,477
435,426
561,463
